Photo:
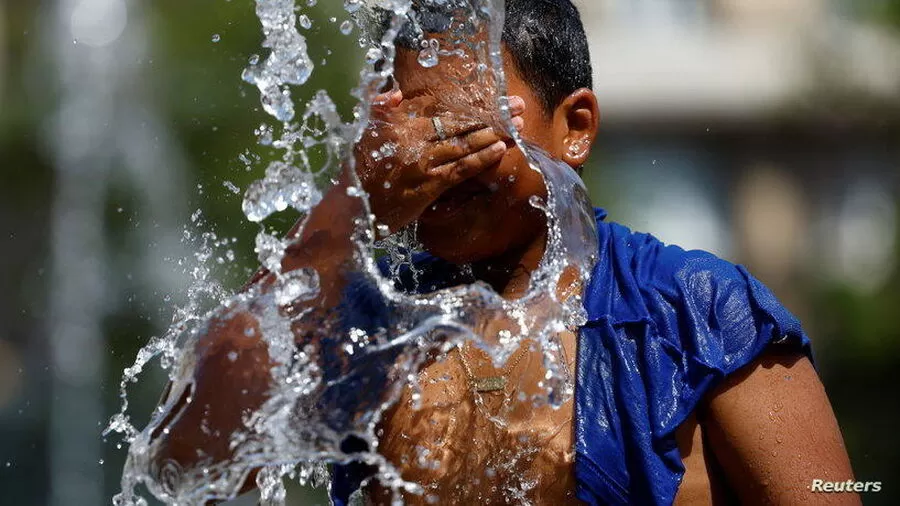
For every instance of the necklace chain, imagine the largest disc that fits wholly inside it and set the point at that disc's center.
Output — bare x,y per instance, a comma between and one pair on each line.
491,383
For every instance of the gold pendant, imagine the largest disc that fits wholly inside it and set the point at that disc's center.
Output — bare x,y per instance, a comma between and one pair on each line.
489,384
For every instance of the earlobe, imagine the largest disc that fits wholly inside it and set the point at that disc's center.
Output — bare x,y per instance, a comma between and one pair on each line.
579,115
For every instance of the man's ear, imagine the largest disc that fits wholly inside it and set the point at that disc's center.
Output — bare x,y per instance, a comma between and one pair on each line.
575,122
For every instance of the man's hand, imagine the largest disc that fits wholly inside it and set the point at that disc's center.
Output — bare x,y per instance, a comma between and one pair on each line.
405,164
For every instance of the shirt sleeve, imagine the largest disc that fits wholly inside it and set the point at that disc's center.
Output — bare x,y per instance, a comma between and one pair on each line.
665,327
711,318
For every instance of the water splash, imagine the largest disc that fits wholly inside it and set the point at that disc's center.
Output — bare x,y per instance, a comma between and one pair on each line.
323,383
284,186
288,63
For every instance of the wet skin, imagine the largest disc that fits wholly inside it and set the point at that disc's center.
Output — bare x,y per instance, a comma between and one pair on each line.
469,210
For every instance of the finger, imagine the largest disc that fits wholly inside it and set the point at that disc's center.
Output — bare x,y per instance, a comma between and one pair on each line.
390,98
454,126
464,145
383,103
453,173
516,105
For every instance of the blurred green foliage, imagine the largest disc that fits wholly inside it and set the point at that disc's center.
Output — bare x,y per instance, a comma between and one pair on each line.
890,12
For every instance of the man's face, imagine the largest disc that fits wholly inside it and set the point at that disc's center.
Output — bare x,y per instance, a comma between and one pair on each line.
490,213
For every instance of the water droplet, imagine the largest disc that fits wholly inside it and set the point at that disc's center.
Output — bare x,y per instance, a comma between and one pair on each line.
231,187
346,27
296,286
216,37
352,6
428,56
264,135
373,55
305,22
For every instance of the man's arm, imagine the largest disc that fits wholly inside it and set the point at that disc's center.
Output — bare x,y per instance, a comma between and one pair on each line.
230,374
771,427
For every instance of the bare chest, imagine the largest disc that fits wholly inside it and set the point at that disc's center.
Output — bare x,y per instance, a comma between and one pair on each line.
464,447
502,447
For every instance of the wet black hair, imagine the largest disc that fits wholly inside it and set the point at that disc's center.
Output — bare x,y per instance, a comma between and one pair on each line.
544,38
547,43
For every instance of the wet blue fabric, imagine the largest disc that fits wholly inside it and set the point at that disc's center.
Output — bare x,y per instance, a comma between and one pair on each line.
664,327
355,382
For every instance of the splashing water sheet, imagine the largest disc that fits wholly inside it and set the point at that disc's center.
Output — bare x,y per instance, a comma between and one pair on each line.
271,383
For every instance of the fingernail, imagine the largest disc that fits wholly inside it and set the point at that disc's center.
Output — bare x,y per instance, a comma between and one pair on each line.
518,122
516,104
383,98
498,147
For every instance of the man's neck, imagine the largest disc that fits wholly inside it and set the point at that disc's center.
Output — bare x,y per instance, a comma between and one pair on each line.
510,273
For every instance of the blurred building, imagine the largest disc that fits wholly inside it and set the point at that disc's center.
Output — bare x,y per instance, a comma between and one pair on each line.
780,107
731,59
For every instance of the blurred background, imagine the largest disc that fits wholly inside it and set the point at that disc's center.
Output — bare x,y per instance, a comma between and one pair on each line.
766,131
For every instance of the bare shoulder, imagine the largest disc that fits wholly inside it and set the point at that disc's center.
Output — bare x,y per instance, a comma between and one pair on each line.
772,429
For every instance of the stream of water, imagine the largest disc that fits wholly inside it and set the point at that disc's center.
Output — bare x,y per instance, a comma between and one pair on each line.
310,410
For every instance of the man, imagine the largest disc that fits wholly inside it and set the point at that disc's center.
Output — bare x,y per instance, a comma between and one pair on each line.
693,384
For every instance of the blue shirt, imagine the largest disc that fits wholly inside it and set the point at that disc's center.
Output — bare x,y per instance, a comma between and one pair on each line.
664,327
